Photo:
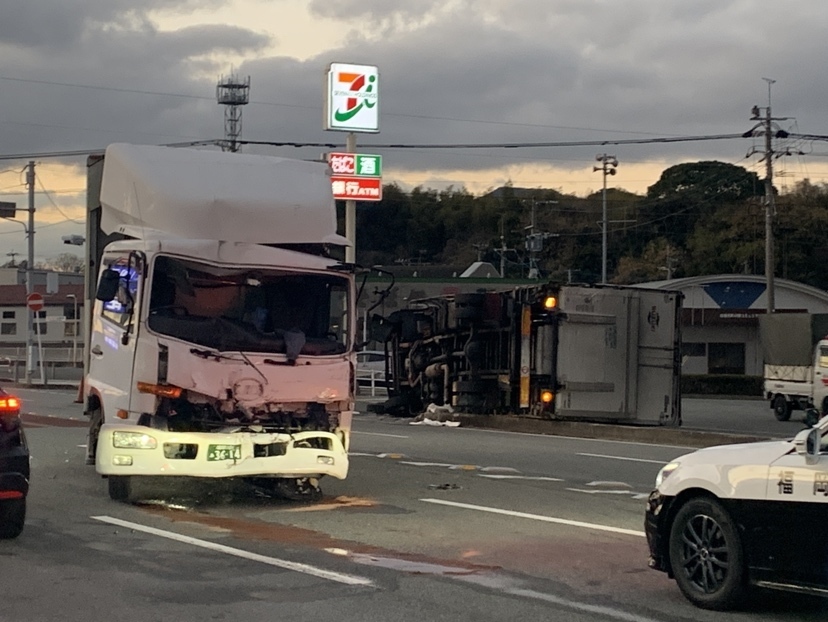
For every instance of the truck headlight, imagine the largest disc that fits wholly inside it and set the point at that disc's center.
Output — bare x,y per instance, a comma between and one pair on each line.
665,472
133,440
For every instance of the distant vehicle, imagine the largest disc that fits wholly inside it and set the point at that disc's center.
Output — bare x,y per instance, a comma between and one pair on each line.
14,468
795,351
725,518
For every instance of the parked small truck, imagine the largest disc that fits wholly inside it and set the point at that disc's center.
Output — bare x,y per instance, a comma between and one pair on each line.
221,334
588,353
795,351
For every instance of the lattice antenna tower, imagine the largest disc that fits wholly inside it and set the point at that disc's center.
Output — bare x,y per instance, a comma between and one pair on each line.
232,92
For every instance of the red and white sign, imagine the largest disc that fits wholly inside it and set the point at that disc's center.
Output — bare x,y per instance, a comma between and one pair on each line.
34,301
357,188
342,163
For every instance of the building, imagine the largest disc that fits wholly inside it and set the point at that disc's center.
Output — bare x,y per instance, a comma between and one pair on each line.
59,322
720,321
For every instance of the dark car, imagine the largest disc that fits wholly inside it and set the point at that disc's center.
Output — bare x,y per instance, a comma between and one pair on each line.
14,468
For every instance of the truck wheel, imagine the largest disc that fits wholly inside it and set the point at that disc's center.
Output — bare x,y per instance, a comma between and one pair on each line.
781,408
12,517
299,489
706,555
95,423
120,488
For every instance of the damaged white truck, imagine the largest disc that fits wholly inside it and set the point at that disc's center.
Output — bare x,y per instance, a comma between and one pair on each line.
221,331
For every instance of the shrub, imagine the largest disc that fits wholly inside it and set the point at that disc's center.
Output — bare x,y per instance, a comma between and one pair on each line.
721,384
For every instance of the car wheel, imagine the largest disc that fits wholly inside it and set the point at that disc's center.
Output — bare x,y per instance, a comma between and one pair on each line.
12,517
706,555
781,408
120,487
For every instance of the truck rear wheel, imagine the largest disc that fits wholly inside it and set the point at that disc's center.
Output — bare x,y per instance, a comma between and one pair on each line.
781,408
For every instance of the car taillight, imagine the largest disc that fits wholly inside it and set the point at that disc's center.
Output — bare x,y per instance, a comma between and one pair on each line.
9,406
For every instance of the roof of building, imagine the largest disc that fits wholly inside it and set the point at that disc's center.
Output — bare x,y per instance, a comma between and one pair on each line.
738,290
15,295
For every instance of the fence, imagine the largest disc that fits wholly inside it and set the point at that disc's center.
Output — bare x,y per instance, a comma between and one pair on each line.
373,381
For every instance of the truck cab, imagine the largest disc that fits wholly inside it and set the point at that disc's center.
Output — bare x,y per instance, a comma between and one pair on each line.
213,357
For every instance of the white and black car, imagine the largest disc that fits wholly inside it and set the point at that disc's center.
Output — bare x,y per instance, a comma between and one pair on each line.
726,518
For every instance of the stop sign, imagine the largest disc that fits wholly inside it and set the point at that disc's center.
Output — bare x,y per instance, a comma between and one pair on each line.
34,301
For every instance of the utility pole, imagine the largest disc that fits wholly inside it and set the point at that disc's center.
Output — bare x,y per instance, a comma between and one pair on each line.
350,209
608,164
30,180
534,241
765,126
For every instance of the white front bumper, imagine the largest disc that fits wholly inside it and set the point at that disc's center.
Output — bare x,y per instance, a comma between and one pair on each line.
297,460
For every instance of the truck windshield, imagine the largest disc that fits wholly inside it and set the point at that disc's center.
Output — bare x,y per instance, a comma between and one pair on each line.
268,311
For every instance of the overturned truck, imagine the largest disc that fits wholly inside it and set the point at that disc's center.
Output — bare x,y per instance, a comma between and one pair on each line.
589,353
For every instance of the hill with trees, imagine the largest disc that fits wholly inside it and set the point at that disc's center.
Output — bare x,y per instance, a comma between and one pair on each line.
698,218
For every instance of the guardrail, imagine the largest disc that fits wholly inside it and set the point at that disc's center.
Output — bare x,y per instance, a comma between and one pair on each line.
51,354
373,381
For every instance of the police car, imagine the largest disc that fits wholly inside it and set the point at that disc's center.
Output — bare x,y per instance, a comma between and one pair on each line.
726,518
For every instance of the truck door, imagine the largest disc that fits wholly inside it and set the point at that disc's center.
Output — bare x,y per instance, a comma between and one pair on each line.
617,355
114,334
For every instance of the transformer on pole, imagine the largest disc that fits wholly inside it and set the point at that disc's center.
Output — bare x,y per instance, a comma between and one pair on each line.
233,93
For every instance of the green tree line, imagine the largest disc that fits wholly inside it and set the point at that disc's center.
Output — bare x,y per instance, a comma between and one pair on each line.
698,218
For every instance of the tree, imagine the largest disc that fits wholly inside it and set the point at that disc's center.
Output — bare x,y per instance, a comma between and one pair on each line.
65,262
686,193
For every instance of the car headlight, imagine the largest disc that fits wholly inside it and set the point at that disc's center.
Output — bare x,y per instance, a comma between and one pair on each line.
133,440
665,472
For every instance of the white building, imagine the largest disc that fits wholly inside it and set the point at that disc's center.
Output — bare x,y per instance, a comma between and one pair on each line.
720,325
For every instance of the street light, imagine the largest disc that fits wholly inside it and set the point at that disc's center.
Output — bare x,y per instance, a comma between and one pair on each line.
75,325
608,164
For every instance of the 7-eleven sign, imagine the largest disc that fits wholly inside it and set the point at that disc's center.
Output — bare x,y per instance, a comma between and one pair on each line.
352,98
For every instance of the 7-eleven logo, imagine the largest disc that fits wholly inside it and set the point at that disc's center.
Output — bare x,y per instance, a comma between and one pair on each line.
353,98
358,88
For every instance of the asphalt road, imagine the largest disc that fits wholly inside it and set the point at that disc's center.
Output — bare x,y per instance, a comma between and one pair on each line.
432,523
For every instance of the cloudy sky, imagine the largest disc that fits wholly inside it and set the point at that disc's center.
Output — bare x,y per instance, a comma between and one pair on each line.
80,74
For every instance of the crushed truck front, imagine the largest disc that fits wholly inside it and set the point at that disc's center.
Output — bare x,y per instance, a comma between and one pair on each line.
221,360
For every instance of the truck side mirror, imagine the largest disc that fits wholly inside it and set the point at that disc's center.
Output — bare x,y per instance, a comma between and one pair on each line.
379,328
108,285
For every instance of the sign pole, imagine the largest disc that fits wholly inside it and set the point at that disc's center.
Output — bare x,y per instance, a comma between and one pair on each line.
350,210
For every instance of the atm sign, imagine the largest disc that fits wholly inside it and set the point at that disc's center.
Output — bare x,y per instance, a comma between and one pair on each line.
357,188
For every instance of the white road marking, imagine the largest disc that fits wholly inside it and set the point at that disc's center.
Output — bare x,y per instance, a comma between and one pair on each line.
378,434
321,573
661,462
538,517
601,492
537,478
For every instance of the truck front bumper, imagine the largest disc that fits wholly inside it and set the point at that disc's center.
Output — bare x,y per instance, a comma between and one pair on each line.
139,450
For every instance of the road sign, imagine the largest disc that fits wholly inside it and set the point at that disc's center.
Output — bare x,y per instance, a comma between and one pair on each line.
357,188
34,301
358,164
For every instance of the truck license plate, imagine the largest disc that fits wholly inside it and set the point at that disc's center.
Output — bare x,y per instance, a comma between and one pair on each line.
223,452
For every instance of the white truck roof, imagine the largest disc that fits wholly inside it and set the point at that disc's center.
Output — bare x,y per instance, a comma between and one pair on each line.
213,195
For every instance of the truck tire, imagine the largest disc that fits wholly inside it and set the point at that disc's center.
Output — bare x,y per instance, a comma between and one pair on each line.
120,488
781,408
